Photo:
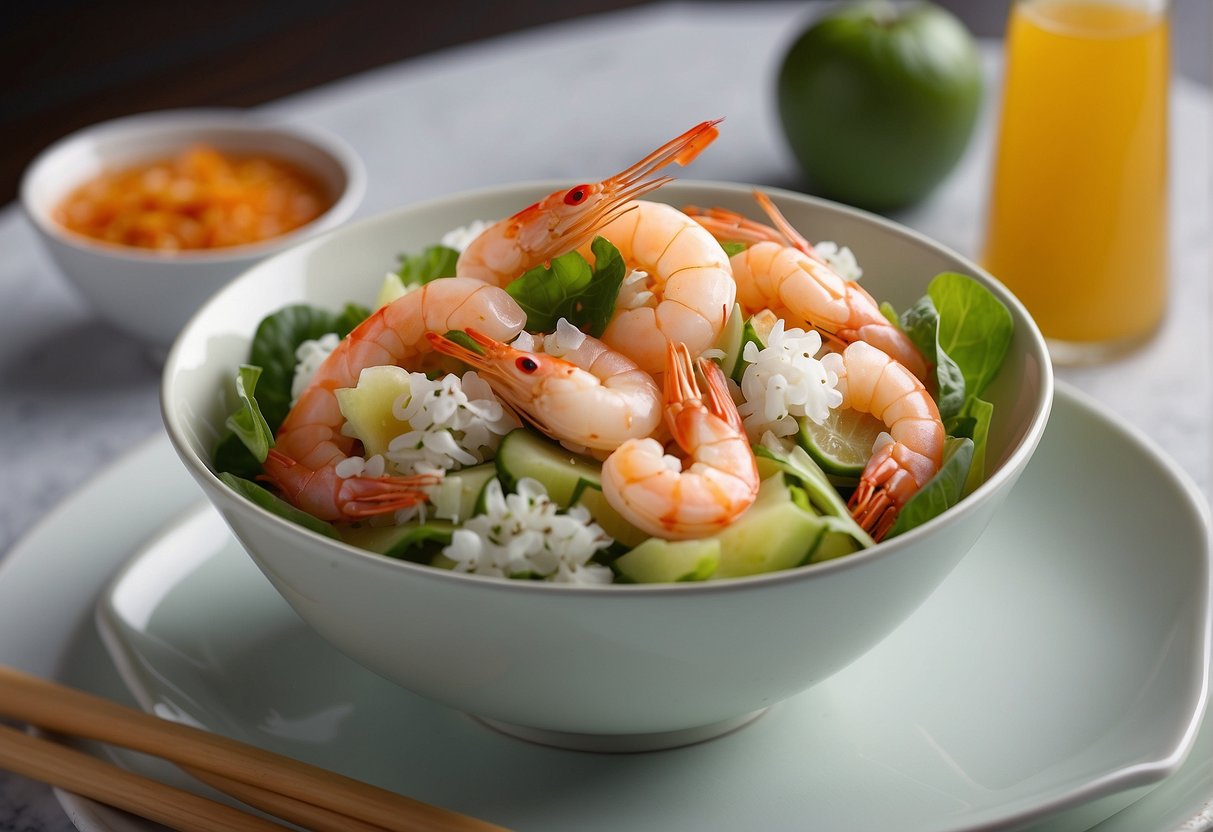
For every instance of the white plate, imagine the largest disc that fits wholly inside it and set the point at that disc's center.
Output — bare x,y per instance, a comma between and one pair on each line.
1063,661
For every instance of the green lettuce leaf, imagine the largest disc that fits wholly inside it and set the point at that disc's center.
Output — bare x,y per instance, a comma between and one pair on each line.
267,500
975,328
247,424
569,288
921,322
274,345
273,352
432,263
974,423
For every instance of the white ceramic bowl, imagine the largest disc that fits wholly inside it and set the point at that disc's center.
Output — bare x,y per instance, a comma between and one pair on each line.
152,294
626,666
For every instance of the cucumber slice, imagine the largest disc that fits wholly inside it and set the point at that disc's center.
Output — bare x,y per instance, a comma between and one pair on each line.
756,331
461,494
824,497
620,530
842,444
418,542
524,453
838,540
730,340
667,561
775,533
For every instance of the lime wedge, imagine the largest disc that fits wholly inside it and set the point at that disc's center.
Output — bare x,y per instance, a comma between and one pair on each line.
842,444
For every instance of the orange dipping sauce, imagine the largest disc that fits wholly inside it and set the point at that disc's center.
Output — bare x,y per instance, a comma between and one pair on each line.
201,199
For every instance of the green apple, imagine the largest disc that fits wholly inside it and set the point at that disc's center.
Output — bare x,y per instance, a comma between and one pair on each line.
878,101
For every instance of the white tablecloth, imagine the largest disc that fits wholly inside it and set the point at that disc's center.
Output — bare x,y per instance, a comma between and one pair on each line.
569,101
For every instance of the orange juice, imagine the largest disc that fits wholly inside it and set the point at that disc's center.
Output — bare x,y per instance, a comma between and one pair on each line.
1078,214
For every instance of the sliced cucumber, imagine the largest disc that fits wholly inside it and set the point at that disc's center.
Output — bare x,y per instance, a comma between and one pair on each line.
799,465
461,494
775,533
418,542
524,453
842,444
730,340
756,331
667,561
838,540
590,495
761,323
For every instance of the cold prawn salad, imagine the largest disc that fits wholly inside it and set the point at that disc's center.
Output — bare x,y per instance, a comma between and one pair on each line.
561,414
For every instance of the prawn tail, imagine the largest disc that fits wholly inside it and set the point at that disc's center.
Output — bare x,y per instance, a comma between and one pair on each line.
885,486
718,400
873,509
327,496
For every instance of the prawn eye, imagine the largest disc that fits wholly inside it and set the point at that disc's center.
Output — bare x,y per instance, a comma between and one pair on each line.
527,364
577,195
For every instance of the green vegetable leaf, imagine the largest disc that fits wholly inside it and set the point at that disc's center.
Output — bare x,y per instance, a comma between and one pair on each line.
273,353
731,248
974,423
247,424
274,345
941,492
432,263
569,288
921,322
270,502
975,328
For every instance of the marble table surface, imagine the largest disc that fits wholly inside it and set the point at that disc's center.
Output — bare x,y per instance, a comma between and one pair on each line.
564,101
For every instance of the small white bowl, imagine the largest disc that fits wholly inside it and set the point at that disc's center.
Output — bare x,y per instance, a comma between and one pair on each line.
623,667
152,294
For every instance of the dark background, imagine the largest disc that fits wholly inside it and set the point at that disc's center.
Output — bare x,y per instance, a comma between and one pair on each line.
65,64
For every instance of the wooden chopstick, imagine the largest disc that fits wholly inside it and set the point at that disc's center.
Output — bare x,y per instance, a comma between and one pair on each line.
307,815
65,710
78,772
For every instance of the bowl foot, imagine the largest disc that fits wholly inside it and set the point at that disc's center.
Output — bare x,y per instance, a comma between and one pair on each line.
623,743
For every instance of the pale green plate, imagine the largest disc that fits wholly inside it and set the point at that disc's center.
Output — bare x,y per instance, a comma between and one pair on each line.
1064,661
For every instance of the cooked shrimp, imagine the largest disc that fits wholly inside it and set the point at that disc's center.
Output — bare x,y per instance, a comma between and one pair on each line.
688,284
654,491
310,444
781,271
564,220
591,396
872,382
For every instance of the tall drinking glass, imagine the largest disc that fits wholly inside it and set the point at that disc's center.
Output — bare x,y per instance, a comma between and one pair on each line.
1077,223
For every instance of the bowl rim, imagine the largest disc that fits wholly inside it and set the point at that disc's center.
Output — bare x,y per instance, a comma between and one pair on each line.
1011,466
177,120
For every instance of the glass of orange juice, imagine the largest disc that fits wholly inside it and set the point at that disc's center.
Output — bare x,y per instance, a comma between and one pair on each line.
1077,223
